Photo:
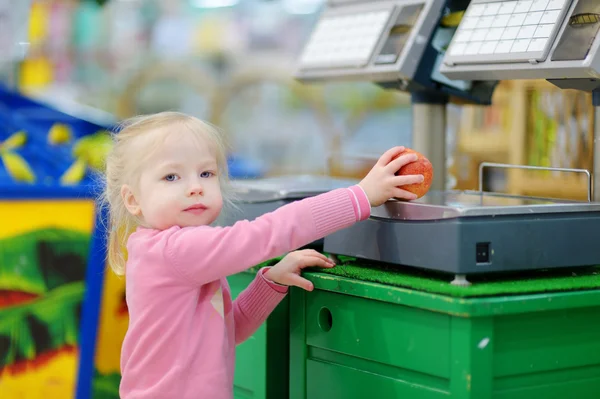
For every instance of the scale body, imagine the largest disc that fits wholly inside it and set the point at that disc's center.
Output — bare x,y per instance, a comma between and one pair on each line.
473,233
477,232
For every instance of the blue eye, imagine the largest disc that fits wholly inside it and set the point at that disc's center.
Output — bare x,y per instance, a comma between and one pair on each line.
206,175
170,177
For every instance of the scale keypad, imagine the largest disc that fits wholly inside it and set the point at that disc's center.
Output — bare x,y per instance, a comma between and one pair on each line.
514,30
344,40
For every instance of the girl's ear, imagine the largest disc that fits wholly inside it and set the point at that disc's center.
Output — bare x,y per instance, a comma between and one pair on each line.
129,200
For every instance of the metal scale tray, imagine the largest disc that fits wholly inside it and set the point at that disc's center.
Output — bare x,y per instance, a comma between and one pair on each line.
259,196
474,232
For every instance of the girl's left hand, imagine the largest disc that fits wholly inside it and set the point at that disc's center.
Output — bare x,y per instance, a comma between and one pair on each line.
288,270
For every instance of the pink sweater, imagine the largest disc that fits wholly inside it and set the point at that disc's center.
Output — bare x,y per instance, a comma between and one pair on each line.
183,325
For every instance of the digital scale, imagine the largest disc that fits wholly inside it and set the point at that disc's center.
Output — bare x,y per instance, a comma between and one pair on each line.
413,45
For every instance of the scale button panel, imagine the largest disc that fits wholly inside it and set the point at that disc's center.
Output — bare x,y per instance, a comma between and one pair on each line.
506,31
344,40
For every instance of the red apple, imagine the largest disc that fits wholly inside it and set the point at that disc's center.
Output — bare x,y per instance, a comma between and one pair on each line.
421,166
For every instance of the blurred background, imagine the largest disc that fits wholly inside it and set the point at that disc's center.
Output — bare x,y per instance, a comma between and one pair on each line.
227,61
231,62
71,69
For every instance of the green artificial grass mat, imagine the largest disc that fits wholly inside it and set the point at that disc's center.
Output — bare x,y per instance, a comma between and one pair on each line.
484,285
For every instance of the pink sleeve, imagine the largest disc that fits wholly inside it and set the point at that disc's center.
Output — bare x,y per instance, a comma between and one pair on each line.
361,200
204,254
254,305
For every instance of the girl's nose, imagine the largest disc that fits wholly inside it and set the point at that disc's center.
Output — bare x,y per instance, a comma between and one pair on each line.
196,189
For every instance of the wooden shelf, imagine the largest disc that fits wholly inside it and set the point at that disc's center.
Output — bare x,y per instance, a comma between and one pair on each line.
484,144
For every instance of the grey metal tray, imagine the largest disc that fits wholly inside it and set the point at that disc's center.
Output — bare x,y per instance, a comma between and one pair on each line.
455,204
452,204
286,187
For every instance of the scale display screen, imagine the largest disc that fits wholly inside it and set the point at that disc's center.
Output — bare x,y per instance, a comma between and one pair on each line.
580,32
399,34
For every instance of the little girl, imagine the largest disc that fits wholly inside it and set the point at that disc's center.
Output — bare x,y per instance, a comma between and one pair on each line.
166,182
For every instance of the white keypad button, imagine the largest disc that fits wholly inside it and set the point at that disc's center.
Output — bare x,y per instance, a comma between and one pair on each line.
479,35
539,5
520,46
473,48
492,9
488,47
511,33
469,23
537,44
504,46
523,6
556,4
463,36
526,32
485,22
550,17
533,18
543,31
494,34
458,49
500,21
507,7
476,10
516,19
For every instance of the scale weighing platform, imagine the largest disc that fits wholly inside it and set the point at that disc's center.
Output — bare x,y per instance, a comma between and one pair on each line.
259,196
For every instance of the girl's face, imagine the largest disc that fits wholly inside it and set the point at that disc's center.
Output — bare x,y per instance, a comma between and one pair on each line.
178,186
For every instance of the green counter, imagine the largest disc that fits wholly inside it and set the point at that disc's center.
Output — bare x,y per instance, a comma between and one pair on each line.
262,362
356,339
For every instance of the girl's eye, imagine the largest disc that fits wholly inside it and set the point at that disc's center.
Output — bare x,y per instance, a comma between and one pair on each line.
170,177
205,175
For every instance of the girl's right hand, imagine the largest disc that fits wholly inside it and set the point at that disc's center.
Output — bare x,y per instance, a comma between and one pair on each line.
289,270
381,183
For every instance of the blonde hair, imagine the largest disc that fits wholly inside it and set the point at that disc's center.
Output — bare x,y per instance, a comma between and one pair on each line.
123,163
